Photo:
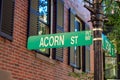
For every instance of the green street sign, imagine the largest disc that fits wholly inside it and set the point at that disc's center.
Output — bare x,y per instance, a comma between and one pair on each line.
68,39
108,46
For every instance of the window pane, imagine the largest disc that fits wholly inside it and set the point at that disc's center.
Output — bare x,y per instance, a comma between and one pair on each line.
77,49
43,29
43,10
72,56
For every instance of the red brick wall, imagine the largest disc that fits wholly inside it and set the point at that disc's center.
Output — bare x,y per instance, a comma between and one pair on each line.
22,63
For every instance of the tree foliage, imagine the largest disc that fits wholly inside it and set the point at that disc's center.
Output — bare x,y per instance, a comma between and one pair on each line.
112,25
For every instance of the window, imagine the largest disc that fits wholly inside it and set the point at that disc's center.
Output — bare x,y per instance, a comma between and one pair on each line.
6,18
39,20
79,57
75,52
41,17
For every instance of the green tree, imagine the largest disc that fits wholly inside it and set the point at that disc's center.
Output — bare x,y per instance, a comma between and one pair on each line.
112,25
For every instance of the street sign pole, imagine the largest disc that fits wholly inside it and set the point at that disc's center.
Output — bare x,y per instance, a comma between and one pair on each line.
97,21
98,53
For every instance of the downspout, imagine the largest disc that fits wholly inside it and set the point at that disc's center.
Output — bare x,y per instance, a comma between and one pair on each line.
51,25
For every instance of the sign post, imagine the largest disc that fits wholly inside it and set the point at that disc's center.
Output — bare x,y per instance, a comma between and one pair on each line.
60,40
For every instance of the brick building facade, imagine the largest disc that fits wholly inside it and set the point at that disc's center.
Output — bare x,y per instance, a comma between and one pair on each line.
19,63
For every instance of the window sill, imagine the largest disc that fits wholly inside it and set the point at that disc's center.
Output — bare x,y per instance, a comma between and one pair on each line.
6,36
44,58
77,70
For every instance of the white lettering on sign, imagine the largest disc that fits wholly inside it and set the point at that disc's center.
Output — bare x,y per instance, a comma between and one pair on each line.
51,41
74,39
46,38
108,46
56,41
87,35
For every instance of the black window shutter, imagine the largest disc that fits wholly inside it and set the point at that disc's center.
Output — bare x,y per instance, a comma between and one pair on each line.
60,13
72,20
87,54
34,16
72,29
59,26
7,13
87,59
